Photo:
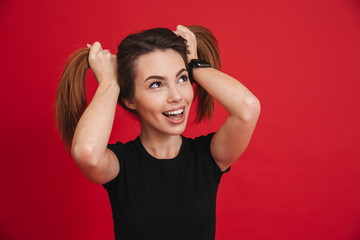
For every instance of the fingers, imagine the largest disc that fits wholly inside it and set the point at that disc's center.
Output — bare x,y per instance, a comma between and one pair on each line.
183,28
97,54
97,50
190,38
94,49
105,51
183,31
102,63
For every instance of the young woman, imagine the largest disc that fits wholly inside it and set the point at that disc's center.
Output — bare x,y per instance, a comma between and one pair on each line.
161,185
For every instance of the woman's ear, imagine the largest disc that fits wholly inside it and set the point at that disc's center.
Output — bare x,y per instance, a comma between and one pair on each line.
129,103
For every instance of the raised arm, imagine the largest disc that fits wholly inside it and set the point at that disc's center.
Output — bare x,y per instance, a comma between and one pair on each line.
233,137
89,146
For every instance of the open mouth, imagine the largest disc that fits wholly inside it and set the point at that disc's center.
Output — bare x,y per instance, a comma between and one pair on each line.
174,114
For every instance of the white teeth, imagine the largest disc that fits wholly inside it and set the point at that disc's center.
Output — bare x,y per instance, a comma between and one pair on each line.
175,112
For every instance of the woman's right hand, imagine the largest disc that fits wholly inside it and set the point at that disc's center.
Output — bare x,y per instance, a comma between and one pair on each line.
103,64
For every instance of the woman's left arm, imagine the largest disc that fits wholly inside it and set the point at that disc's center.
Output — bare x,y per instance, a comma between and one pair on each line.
233,137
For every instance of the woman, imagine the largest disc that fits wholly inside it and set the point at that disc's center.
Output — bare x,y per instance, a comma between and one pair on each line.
161,185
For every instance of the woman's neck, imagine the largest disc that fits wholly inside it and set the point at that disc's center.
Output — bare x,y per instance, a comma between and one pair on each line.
161,146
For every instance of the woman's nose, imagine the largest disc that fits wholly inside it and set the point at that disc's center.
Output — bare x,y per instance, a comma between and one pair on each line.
174,95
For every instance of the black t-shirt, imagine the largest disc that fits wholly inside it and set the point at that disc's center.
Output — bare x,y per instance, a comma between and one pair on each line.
165,198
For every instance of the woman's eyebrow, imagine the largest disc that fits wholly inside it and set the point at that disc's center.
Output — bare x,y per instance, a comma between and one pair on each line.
163,78
182,70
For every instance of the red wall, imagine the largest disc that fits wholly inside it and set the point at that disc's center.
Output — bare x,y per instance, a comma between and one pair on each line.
299,177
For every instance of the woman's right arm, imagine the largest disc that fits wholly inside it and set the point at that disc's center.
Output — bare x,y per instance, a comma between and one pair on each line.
89,146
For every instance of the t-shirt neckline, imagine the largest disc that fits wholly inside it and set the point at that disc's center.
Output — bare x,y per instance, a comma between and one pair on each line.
166,160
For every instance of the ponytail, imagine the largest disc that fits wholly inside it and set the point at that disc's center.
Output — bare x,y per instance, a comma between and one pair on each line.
70,100
208,50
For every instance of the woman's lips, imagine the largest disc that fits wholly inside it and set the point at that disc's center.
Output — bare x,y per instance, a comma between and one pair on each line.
175,112
175,116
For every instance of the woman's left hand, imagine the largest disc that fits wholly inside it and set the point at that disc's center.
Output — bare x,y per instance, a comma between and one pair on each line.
190,38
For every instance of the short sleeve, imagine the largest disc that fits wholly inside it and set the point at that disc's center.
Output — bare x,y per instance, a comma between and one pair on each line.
117,148
205,144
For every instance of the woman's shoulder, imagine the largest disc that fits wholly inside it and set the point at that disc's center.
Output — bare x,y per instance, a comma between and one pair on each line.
199,142
120,147
199,139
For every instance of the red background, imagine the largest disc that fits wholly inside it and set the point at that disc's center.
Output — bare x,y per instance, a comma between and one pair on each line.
299,177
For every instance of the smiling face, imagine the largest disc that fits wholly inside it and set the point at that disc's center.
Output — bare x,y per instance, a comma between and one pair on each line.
163,93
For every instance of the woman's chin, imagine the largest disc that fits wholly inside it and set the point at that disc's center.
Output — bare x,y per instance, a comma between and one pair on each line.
178,130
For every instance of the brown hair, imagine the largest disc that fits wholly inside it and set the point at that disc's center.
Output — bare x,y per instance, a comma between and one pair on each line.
208,50
71,93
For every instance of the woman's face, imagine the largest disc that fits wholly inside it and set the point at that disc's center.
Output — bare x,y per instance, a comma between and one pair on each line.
163,92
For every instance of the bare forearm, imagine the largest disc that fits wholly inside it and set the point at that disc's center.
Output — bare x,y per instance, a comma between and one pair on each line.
93,130
230,93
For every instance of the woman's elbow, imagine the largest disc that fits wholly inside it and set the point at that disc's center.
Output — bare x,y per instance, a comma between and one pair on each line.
251,109
84,156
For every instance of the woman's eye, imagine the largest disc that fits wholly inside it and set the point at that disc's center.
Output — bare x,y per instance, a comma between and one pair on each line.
155,85
183,78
